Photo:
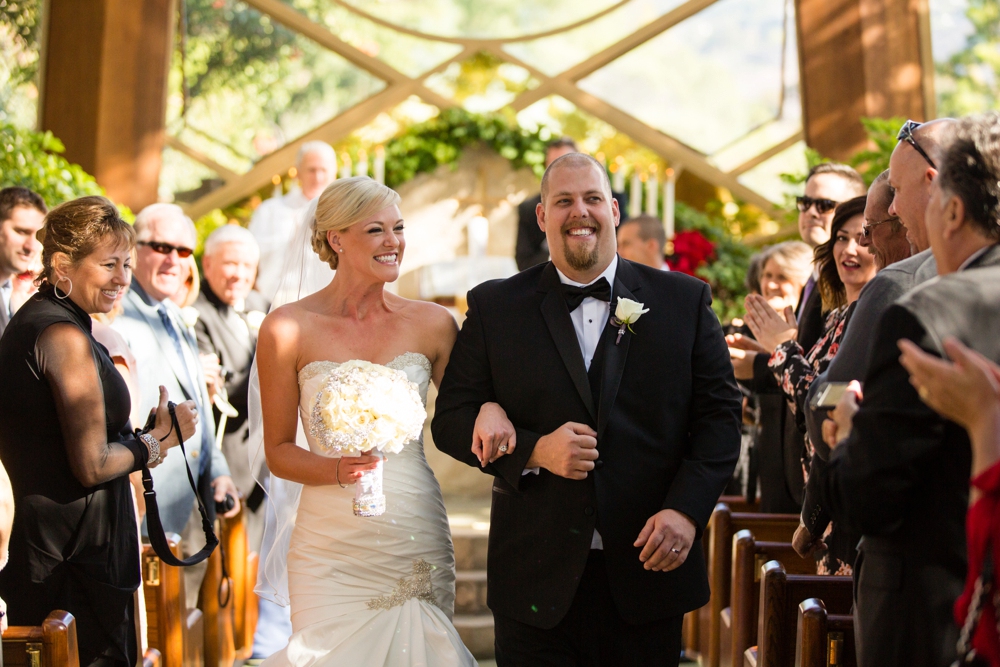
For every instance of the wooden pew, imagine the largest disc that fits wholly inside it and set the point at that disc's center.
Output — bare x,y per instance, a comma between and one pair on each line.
176,632
215,600
738,621
725,524
696,622
51,644
780,596
824,640
242,566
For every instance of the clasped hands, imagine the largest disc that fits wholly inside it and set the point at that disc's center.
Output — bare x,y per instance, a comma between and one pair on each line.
571,452
770,330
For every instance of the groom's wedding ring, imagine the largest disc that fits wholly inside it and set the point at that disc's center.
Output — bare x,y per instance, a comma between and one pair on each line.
503,449
676,551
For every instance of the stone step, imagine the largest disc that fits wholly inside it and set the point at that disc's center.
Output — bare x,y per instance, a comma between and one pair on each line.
470,548
470,593
477,633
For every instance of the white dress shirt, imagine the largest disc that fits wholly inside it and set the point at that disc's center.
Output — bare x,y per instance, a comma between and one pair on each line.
589,322
5,292
274,224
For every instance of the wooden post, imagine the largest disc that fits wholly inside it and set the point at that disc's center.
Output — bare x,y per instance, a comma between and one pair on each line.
104,89
860,58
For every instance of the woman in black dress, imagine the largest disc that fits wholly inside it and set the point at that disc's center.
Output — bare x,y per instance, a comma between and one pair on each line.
66,443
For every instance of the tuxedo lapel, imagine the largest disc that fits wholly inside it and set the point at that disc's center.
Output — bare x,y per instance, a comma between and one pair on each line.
556,315
615,355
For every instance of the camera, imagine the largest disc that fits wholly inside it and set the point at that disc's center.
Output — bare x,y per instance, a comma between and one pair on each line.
224,505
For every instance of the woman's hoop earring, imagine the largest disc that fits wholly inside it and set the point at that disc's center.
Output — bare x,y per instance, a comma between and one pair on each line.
55,288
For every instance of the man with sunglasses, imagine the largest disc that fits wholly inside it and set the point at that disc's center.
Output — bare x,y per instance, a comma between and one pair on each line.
167,354
912,169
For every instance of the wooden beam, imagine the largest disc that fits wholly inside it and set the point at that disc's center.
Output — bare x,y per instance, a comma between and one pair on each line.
222,172
278,161
104,88
767,155
859,58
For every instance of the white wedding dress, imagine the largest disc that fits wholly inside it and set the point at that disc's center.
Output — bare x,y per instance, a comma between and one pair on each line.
373,591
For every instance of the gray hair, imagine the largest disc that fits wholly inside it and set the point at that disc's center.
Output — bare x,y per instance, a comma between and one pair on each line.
230,234
146,217
970,170
794,257
320,147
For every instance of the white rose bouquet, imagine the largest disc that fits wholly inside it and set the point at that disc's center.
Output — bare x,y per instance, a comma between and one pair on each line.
364,407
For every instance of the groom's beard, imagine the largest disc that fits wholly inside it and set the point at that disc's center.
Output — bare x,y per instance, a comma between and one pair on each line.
581,259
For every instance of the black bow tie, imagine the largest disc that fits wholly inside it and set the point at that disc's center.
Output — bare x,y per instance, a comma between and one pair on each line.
599,289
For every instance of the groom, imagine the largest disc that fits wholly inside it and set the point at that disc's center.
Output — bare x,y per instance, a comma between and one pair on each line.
623,444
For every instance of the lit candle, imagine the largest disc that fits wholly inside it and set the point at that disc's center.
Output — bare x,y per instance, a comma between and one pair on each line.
276,192
361,168
635,194
652,191
345,165
669,188
618,184
379,166
479,236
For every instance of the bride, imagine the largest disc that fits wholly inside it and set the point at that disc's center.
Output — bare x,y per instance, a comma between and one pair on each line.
363,591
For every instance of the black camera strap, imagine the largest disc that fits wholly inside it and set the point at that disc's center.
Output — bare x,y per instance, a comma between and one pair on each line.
157,536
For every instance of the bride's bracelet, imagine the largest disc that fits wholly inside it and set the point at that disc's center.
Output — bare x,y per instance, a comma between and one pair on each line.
338,474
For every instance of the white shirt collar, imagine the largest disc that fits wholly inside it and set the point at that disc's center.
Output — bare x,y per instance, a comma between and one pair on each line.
973,257
608,273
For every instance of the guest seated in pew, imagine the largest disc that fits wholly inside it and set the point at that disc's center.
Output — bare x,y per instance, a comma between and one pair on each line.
66,440
967,391
899,472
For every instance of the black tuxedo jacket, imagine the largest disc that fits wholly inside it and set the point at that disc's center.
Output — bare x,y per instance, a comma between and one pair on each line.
902,478
668,424
217,334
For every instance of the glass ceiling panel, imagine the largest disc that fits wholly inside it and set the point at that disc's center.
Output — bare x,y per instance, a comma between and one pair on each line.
410,55
709,80
482,83
558,53
252,85
183,179
765,178
483,19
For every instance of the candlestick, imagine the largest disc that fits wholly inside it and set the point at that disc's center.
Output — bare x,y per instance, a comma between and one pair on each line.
479,236
618,184
276,181
379,166
361,168
669,194
652,192
345,165
635,195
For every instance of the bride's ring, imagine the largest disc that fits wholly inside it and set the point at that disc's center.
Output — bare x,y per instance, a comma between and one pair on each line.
502,449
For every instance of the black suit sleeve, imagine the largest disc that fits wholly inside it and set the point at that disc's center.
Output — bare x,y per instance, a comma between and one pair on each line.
467,385
713,423
531,248
874,476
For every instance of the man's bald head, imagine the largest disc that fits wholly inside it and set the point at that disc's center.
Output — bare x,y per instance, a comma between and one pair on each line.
575,161
934,137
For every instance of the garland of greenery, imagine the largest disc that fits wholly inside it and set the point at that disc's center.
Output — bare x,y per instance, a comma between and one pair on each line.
33,160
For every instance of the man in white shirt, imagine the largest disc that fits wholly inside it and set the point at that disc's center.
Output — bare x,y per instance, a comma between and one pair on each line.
274,222
642,239
22,213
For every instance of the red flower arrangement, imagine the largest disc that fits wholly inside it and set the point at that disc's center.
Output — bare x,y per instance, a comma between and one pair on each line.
691,250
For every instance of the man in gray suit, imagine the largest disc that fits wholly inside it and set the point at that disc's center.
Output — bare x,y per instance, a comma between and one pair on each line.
22,213
167,354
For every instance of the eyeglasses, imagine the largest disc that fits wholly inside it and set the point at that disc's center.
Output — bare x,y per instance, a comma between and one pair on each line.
822,205
166,248
866,229
906,134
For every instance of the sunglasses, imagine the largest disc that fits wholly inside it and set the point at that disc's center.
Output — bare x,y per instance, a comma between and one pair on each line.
822,205
166,248
906,134
866,229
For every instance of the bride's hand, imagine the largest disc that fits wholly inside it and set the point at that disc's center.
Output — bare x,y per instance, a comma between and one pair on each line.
349,468
493,435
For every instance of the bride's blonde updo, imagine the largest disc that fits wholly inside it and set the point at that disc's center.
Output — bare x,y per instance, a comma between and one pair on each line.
345,202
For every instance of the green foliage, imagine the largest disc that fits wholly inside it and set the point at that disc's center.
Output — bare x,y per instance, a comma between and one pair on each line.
20,19
881,132
32,160
727,272
967,81
423,147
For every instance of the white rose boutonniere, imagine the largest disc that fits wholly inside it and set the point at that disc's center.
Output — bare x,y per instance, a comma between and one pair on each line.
189,314
254,319
626,314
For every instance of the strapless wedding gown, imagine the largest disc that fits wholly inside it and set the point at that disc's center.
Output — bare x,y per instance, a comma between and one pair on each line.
373,591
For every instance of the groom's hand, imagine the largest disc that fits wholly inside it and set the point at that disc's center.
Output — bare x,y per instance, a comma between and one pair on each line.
569,451
666,540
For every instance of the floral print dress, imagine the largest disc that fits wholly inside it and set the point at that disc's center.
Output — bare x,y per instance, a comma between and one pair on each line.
795,370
